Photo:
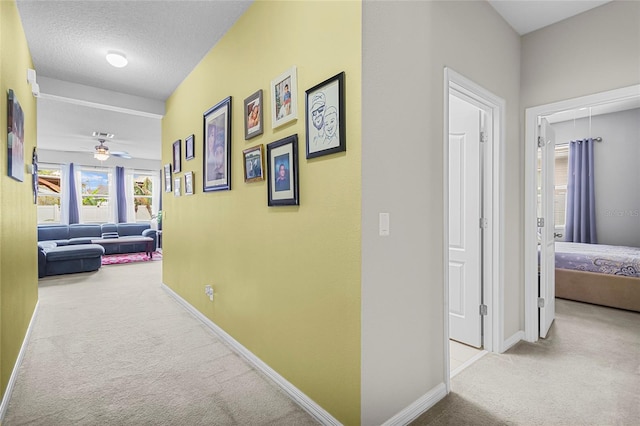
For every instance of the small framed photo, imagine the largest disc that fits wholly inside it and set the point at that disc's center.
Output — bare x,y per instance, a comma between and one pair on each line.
282,171
176,187
325,122
254,163
167,178
177,154
284,98
217,147
188,183
253,115
189,153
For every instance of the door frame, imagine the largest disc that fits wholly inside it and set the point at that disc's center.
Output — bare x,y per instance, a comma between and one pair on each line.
493,245
531,314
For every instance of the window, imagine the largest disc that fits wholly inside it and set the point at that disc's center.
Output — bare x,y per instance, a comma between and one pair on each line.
143,195
560,186
95,196
49,194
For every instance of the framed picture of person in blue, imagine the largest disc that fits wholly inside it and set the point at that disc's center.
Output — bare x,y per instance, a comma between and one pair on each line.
217,147
282,172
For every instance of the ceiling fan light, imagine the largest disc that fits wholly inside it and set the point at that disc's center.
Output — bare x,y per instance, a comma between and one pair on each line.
116,59
101,156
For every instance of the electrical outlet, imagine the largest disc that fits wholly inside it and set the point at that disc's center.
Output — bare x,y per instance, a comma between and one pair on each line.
208,290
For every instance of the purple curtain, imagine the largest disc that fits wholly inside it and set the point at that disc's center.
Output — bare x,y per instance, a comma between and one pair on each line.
74,215
581,202
121,199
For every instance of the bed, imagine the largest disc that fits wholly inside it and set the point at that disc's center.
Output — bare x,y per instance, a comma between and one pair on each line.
599,274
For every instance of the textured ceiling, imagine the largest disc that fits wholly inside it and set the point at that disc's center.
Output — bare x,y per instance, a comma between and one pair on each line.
163,40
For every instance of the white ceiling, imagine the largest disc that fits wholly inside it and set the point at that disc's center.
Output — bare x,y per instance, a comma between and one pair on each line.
163,41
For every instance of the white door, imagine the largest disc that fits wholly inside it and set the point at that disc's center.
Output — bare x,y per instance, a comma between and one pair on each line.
547,286
465,272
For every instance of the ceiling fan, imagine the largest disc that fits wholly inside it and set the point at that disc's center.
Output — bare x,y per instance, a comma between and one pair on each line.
102,152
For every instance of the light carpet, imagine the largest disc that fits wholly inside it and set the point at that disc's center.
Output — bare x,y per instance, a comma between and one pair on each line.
112,348
587,372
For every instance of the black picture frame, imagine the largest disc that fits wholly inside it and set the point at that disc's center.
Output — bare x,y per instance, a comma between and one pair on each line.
253,123
282,162
189,148
216,142
15,137
177,156
325,117
167,178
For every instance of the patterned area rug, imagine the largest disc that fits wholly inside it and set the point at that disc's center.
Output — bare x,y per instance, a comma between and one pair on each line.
115,259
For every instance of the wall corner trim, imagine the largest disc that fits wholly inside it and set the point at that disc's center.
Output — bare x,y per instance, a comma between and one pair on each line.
515,338
14,374
418,407
310,406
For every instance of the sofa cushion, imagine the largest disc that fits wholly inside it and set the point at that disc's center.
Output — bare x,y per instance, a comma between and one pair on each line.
73,252
53,232
83,230
109,227
81,240
129,229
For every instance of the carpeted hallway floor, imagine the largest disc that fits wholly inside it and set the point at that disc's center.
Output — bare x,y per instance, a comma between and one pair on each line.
587,372
112,348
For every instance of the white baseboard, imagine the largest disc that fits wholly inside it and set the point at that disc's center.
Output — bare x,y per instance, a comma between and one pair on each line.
310,406
507,344
16,366
418,407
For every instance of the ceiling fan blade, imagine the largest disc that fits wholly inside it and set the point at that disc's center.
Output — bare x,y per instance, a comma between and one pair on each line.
121,154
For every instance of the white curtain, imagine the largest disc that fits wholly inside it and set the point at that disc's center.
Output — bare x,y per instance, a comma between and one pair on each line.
65,192
113,200
128,187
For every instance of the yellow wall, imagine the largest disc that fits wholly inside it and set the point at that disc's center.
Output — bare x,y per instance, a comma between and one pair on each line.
286,279
18,254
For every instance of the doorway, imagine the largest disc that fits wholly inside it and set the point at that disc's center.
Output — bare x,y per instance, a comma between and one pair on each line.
473,164
534,291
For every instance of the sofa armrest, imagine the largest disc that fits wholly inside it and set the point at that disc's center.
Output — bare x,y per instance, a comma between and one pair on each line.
152,234
42,261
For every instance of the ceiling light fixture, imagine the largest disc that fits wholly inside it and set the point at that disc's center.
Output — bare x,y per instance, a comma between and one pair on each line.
117,59
102,152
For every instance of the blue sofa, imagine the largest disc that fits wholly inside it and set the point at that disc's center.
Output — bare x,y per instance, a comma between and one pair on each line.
66,249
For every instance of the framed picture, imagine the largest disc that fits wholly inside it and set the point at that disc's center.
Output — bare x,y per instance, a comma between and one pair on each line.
15,137
189,153
177,154
282,168
167,177
217,147
254,163
176,187
253,115
284,98
188,183
325,123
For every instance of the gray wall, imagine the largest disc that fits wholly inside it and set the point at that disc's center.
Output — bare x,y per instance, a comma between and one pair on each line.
406,46
617,172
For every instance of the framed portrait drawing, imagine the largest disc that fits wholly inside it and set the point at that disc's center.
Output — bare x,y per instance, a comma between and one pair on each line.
15,137
177,154
217,147
253,115
284,98
324,113
189,153
282,172
176,187
188,183
167,178
253,163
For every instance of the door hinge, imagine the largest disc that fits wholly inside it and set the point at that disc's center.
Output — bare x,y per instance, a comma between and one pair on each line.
540,302
541,222
484,223
541,142
483,137
483,309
